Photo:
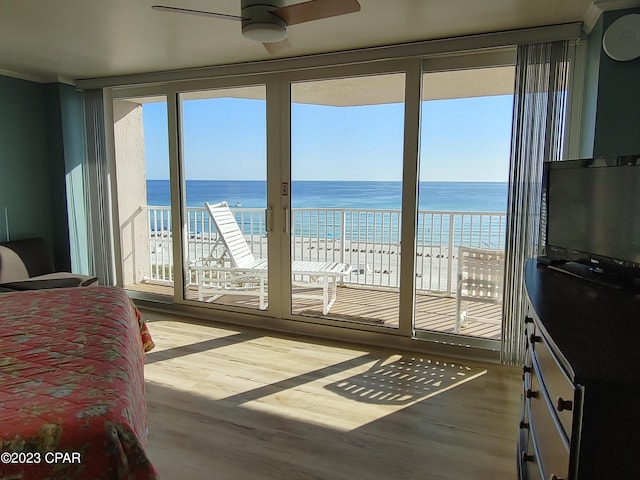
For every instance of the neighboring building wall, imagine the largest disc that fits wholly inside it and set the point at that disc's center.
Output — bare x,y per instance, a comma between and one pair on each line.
25,190
132,190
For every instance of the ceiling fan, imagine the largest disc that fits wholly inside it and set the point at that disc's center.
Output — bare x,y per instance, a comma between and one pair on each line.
266,21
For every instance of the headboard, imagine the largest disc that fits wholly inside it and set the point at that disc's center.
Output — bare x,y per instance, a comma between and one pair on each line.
23,259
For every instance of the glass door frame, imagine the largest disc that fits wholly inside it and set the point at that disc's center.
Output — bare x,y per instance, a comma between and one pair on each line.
498,57
411,68
111,96
278,98
273,308
172,91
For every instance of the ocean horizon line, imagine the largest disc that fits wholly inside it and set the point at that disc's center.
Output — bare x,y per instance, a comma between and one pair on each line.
374,195
335,181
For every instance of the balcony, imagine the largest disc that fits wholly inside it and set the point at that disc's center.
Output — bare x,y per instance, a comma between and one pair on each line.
368,240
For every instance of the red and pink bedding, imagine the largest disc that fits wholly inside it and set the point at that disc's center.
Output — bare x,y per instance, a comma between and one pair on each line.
72,401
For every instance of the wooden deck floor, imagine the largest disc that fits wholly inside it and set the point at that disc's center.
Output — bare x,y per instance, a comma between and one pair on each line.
377,307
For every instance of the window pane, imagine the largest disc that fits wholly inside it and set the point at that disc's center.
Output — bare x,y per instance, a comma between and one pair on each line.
224,160
464,167
346,166
142,166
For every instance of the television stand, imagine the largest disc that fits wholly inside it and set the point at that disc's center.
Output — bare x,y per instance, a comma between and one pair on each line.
548,261
579,417
599,278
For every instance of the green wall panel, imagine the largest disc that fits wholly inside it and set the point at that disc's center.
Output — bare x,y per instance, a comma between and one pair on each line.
617,126
42,164
55,150
75,161
24,170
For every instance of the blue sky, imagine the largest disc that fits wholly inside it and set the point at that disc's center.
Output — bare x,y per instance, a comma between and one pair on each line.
224,139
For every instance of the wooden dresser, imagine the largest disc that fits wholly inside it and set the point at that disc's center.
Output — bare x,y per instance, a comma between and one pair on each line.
581,392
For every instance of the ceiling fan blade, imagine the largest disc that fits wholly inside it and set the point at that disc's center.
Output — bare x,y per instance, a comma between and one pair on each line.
315,10
224,16
277,47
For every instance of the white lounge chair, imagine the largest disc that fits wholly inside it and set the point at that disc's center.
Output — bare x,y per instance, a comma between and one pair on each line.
238,272
480,279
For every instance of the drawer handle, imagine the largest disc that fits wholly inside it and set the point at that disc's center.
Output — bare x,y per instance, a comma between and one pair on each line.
524,425
526,369
531,393
535,338
562,404
528,319
527,458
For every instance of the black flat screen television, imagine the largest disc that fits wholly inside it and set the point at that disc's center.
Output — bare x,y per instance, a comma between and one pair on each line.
591,213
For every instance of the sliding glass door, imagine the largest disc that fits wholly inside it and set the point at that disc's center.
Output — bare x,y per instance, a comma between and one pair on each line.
143,202
223,160
461,226
346,196
300,195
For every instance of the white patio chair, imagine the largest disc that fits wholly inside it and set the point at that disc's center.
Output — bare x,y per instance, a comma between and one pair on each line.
480,279
238,272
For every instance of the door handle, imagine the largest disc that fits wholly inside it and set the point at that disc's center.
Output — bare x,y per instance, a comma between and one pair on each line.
285,219
268,219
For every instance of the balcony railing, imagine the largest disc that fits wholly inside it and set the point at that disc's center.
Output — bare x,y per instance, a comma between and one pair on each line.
369,240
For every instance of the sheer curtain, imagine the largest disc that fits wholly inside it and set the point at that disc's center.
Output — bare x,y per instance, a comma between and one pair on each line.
99,180
539,114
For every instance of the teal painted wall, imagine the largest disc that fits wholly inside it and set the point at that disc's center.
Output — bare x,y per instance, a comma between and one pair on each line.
55,151
24,168
66,151
75,161
611,106
42,159
590,99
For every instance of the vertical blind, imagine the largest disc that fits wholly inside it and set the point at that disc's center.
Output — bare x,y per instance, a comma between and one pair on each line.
101,243
539,112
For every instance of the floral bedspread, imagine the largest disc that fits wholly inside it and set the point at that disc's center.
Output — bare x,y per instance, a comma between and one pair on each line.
72,402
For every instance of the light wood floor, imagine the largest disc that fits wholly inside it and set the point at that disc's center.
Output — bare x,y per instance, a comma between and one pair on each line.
378,307
245,404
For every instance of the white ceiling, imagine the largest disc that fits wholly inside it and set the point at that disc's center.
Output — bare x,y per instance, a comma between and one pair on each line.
79,39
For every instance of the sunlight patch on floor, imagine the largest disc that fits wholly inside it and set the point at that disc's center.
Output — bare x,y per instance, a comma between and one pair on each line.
324,384
383,386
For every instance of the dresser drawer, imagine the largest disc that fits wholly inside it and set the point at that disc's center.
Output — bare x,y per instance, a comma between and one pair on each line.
532,471
560,389
528,468
529,324
550,445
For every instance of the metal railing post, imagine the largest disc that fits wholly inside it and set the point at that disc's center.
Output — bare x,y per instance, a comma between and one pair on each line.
151,272
159,238
343,234
450,250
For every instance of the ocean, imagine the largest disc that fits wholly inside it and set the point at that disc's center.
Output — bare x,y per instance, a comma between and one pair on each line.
439,196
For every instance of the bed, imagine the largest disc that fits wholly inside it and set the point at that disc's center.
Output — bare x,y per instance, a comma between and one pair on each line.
72,402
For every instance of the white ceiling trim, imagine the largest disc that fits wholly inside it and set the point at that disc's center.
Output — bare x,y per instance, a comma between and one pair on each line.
407,50
609,5
22,76
598,7
36,78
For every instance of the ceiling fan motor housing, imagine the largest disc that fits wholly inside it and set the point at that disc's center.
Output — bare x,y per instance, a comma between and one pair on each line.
259,24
